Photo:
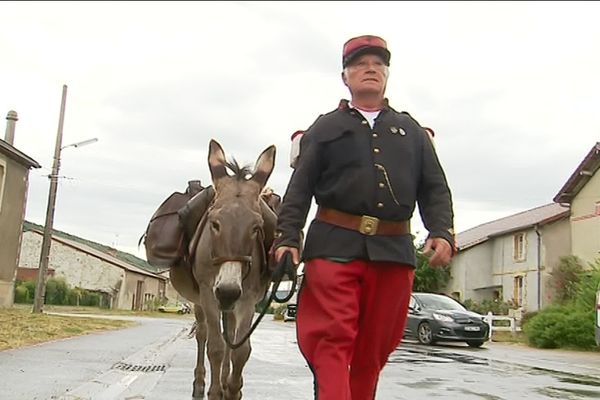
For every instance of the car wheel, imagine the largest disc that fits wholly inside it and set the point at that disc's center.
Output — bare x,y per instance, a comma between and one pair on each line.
424,333
474,343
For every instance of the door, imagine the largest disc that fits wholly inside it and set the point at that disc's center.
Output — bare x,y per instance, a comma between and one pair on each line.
139,295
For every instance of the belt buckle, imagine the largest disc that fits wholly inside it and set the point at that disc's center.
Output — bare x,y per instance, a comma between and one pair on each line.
368,225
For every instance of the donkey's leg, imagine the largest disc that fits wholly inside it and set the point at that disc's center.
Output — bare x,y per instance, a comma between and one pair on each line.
239,356
216,351
200,370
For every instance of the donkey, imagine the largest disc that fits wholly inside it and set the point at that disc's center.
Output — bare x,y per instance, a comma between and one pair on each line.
228,274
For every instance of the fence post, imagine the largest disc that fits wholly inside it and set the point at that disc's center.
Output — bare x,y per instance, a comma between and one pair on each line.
490,319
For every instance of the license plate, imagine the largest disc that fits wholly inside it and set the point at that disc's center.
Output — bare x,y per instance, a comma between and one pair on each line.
472,328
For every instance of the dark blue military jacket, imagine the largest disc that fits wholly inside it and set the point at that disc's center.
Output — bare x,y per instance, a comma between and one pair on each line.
381,172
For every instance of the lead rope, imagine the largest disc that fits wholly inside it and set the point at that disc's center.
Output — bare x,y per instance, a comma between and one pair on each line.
284,266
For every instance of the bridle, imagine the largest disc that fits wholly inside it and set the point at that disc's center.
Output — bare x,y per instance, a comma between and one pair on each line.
284,266
245,260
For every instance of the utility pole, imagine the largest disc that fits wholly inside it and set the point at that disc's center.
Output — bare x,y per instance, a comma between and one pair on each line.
40,292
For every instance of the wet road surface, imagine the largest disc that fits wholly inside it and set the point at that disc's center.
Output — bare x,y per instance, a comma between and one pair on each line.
155,361
424,372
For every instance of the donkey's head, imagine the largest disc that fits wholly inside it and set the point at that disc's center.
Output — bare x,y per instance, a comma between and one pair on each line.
235,222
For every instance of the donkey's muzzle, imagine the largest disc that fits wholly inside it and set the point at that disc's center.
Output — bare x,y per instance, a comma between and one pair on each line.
227,295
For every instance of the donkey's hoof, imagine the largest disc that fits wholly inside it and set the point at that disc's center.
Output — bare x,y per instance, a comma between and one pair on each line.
198,394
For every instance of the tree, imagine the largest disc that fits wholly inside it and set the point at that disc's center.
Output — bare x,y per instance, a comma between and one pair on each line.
566,277
427,278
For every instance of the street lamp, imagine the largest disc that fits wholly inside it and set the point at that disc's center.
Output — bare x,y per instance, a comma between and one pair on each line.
40,292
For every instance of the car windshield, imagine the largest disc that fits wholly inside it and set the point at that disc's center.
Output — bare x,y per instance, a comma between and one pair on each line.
437,302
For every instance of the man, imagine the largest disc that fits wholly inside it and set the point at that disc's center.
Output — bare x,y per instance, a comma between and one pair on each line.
366,165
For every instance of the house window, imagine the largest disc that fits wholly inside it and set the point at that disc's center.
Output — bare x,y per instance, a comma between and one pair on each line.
519,247
497,295
2,179
518,291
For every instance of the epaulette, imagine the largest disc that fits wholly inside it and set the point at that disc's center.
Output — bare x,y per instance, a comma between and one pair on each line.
411,117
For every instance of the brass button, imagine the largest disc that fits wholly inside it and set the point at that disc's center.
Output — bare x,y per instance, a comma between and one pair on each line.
376,150
363,122
381,184
375,135
379,205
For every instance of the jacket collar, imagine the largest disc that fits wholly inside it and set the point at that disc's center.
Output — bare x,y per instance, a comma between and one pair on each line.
345,105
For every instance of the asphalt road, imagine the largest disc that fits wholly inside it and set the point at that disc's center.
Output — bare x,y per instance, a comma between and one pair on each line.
155,360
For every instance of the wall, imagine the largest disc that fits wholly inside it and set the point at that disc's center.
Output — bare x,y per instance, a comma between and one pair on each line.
585,221
471,269
150,291
14,184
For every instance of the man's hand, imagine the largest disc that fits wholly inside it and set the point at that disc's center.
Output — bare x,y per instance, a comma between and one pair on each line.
280,251
439,252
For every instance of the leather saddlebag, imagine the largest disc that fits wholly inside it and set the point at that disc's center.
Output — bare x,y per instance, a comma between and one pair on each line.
164,238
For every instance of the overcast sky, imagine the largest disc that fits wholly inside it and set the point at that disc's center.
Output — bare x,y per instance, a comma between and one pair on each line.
512,91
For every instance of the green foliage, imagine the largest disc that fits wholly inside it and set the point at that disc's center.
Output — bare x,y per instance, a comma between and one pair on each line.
89,299
153,304
571,324
24,291
429,279
565,278
21,294
528,316
497,307
561,327
587,287
57,293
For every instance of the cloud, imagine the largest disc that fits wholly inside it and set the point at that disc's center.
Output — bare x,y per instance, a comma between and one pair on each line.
510,89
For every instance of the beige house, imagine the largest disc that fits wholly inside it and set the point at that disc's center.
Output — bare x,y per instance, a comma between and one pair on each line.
125,281
582,193
14,180
172,297
510,259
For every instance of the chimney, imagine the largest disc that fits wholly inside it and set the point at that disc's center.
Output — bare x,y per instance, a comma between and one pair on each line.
11,121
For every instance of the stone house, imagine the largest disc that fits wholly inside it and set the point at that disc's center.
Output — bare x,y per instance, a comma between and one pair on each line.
124,281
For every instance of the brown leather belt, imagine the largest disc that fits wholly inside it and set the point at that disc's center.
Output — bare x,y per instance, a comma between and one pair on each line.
364,224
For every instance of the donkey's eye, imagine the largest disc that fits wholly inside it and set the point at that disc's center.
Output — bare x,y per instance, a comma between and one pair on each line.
256,229
215,225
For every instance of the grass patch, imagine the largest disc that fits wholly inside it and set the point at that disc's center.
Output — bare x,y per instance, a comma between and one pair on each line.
20,327
509,337
104,311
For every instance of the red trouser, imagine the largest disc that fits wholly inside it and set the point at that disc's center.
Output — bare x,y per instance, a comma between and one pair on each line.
350,318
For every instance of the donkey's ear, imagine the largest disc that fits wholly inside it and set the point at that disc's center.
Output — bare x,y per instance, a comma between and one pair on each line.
264,166
216,161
